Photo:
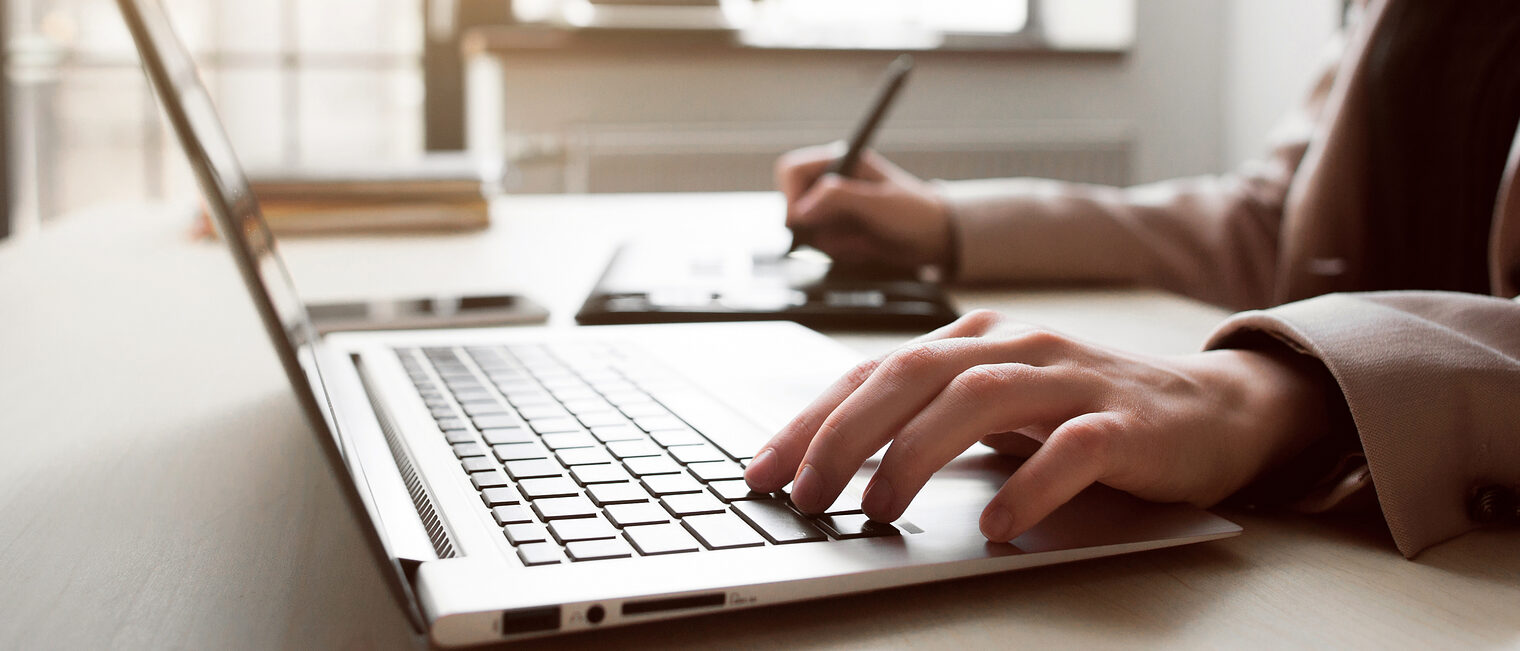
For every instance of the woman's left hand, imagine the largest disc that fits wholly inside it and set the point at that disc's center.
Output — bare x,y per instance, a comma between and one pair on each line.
1194,428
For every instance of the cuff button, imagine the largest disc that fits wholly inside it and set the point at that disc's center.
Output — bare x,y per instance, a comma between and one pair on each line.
1490,504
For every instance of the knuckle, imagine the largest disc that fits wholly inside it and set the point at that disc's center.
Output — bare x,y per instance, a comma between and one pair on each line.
979,321
979,383
1088,438
1042,339
907,363
862,371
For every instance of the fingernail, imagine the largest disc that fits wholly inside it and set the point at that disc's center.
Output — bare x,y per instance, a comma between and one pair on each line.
878,498
806,490
760,470
997,524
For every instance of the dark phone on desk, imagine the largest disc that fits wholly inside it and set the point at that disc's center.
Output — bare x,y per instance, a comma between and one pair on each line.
424,313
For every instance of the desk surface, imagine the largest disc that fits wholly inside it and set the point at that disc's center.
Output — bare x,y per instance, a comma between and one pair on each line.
159,487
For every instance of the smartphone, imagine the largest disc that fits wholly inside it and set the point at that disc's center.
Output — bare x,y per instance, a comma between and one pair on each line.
425,313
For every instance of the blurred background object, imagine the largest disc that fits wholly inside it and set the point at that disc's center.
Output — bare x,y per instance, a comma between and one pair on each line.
655,95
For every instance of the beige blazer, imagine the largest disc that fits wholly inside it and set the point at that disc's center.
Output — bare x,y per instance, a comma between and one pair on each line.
1432,379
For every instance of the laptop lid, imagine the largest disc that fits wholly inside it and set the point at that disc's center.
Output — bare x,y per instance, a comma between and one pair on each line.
235,212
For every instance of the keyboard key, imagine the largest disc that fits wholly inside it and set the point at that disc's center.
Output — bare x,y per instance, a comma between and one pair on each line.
624,394
630,449
671,484
605,494
546,410
515,384
531,468
661,539
645,408
562,381
511,514
501,435
677,436
528,532
557,508
626,515
716,470
478,464
483,407
442,411
581,529
451,423
608,434
463,450
489,479
455,436
583,456
652,423
540,554
500,495
529,396
590,550
685,504
467,395
562,440
697,453
723,531
543,487
553,425
569,394
489,421
730,490
520,451
602,473
778,522
602,419
642,466
854,526
589,406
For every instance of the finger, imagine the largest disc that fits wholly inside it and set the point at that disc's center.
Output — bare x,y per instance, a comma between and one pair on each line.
875,167
1074,458
834,198
799,169
982,399
900,387
777,461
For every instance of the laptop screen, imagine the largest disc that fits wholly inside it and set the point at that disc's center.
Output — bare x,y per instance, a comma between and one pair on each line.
233,209
230,202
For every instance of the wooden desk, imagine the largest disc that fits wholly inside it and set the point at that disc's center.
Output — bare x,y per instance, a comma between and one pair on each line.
159,487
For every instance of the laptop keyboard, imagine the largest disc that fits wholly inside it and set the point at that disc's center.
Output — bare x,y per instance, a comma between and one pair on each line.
582,452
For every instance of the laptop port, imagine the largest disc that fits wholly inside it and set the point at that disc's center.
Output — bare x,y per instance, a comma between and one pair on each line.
529,620
646,606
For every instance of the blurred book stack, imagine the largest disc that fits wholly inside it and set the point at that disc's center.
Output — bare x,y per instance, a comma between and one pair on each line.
435,194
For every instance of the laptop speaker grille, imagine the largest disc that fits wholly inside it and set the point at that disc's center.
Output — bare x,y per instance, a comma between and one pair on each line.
436,532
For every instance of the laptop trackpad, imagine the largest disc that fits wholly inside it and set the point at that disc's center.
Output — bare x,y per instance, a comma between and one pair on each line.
953,501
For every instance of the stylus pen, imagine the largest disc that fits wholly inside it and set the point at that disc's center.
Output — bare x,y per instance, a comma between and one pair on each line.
897,74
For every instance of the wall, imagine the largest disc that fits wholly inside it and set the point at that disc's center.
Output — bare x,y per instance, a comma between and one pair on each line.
1197,94
1274,49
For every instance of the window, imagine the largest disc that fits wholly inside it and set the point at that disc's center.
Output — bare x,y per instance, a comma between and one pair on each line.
297,82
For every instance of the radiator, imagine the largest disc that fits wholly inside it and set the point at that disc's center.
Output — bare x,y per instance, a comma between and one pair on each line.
718,157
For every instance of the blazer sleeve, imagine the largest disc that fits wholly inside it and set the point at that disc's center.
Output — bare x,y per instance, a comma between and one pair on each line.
1212,238
1431,380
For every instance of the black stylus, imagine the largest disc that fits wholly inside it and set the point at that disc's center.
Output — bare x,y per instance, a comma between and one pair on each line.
897,74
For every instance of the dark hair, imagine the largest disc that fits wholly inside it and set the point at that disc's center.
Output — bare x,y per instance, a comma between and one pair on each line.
1444,85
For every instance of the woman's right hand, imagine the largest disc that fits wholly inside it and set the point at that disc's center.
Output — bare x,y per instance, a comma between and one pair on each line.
882,216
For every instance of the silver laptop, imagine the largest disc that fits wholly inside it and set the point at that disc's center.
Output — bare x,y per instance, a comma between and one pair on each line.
527,482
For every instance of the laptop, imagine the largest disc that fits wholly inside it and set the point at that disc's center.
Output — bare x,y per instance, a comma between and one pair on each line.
524,482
